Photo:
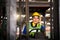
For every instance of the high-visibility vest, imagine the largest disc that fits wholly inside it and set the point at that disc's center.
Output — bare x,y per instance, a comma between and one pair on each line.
31,28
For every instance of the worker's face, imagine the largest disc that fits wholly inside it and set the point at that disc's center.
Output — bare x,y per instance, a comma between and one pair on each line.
35,19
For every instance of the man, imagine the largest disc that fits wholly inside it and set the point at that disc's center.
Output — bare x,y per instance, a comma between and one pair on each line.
35,24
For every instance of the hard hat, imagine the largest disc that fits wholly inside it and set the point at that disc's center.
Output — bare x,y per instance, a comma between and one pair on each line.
36,14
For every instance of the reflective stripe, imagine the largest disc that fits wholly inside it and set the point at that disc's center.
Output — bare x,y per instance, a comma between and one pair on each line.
34,30
39,31
31,28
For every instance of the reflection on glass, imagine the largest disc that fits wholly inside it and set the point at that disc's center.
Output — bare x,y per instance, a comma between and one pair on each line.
35,22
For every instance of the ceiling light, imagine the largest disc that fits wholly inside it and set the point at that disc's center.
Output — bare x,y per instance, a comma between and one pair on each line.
1,16
30,20
16,16
23,15
41,15
47,15
6,17
48,0
52,8
48,23
30,17
49,9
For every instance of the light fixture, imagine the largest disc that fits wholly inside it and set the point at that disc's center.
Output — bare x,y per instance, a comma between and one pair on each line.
5,17
30,20
52,19
49,9
16,16
23,16
47,15
1,16
52,8
41,15
30,17
48,0
48,23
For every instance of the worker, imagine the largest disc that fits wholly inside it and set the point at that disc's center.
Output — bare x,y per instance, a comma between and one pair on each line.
35,24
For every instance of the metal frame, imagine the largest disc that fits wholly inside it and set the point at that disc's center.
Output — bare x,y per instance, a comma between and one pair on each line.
55,23
59,19
34,4
51,17
27,19
56,19
11,19
11,25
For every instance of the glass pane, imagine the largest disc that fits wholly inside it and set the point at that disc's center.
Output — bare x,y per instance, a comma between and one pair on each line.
43,9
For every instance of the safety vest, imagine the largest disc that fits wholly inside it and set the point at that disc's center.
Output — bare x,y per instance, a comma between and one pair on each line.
31,28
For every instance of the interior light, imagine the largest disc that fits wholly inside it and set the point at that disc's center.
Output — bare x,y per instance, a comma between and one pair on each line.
41,15
47,15
6,17
52,19
17,16
48,23
49,9
52,8
1,16
48,0
30,17
23,16
30,20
